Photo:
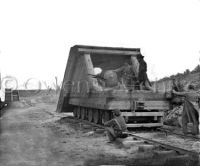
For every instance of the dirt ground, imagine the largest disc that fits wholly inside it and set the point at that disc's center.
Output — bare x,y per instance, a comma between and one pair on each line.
33,134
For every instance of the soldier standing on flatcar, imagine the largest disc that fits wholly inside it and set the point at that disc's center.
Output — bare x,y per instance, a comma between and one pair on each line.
142,73
116,126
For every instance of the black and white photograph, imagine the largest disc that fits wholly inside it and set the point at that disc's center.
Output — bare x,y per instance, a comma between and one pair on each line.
99,83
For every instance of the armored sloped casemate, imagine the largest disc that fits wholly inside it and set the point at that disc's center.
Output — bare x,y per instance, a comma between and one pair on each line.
92,96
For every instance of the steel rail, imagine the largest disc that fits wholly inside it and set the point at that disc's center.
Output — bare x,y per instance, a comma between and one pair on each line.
178,134
167,146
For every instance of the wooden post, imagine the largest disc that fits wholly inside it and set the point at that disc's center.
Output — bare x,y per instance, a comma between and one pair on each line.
135,65
90,71
78,86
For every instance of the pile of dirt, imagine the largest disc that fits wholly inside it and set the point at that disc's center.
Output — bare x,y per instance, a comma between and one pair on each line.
20,104
51,99
184,81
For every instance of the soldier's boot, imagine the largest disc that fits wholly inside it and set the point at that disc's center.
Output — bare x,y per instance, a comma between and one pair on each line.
184,126
195,128
148,86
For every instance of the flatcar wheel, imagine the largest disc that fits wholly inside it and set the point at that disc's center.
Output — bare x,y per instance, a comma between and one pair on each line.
86,113
96,116
105,116
111,115
79,112
82,113
90,115
75,111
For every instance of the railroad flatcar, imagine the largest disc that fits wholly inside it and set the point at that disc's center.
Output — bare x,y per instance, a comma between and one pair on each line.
92,97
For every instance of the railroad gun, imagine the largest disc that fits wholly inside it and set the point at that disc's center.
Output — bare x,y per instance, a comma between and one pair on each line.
93,98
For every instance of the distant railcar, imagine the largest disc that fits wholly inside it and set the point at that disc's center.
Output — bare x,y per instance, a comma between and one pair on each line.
93,97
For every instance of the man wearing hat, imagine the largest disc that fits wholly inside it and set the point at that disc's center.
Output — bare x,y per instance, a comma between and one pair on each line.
116,126
142,73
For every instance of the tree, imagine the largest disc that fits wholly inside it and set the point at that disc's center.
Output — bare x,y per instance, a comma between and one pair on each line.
196,69
186,72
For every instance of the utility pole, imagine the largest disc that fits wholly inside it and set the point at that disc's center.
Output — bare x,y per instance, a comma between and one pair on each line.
56,78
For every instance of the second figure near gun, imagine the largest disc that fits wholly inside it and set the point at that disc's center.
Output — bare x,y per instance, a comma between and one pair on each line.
128,78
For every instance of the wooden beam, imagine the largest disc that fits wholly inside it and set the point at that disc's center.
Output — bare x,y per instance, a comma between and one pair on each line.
98,51
142,113
115,104
145,125
156,105
90,69
135,65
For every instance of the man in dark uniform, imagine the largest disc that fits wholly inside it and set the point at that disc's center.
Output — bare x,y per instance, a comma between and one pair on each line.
142,73
116,126
190,113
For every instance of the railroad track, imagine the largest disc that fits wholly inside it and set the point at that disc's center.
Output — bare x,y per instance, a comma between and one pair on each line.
173,130
184,145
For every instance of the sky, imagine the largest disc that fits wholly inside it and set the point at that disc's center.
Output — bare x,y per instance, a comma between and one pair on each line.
36,35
